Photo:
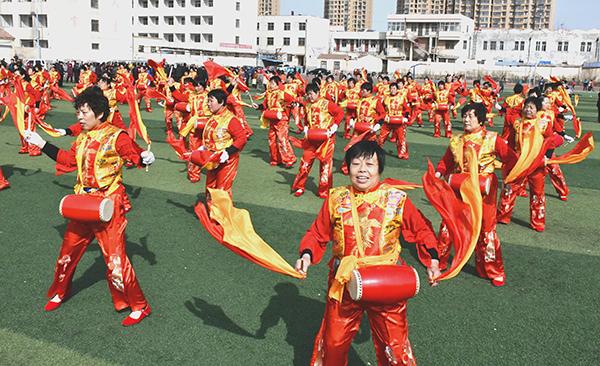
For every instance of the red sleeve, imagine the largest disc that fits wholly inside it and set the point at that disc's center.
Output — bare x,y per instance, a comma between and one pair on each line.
336,111
75,129
446,164
237,133
380,111
179,96
65,160
121,96
507,155
288,98
416,228
128,149
182,107
318,235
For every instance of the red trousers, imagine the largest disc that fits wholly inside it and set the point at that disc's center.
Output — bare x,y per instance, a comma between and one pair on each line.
142,94
122,282
238,110
389,329
439,116
537,200
399,134
169,114
27,148
223,176
350,114
295,112
3,181
325,158
488,254
279,143
416,115
558,181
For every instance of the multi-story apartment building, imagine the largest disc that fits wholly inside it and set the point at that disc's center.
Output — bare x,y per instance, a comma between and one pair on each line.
296,40
268,7
353,15
506,14
92,30
193,30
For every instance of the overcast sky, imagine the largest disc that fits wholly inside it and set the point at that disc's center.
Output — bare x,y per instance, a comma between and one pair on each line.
570,14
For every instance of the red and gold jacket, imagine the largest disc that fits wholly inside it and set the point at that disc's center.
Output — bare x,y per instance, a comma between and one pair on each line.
397,105
384,213
323,114
370,110
223,130
278,100
144,81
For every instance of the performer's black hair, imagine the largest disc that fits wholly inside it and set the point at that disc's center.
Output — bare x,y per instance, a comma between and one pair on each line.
367,86
312,87
518,89
219,95
351,79
480,111
535,101
96,100
329,77
394,84
366,149
276,79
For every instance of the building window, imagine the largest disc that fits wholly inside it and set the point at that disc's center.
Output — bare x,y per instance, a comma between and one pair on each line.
237,39
257,26
492,45
27,43
181,3
96,46
323,64
94,4
537,45
6,20
43,43
143,20
209,3
544,46
286,41
26,21
258,41
196,37
180,37
589,47
95,25
169,20
582,48
485,45
522,46
196,20
290,58
237,6
516,48
287,26
270,26
208,37
140,48
301,41
208,20
464,45
180,20
143,3
237,23
302,26
336,65
196,3
501,45
154,20
169,3
270,41
168,37
565,46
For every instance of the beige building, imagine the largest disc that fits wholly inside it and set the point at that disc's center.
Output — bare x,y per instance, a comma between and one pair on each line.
503,14
353,15
268,7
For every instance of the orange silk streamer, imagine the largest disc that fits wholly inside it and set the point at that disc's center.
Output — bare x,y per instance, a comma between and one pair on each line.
531,146
233,228
463,218
583,148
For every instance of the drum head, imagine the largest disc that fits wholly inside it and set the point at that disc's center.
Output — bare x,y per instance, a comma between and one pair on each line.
107,208
418,280
354,286
487,186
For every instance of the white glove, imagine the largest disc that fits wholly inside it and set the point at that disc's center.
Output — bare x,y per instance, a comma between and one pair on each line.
34,138
561,109
202,148
147,157
332,130
352,121
376,127
568,139
224,157
305,131
438,175
569,117
404,120
498,106
61,131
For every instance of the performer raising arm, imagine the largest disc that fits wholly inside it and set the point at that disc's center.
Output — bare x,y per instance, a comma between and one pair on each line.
98,155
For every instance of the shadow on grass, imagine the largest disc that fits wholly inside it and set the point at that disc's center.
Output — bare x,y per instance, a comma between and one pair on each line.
302,317
261,154
10,169
214,316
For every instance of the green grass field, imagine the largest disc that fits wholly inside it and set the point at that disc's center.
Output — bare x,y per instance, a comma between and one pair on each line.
211,307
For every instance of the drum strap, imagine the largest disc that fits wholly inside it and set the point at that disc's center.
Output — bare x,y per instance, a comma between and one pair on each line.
356,224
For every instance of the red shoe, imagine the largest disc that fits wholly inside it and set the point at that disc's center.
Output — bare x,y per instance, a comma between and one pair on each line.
299,192
273,163
403,157
503,222
323,195
51,305
24,150
562,198
4,184
149,110
129,321
288,166
499,283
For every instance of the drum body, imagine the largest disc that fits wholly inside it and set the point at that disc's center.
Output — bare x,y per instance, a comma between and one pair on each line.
351,106
317,135
396,120
206,159
361,127
456,180
201,123
272,114
86,208
383,284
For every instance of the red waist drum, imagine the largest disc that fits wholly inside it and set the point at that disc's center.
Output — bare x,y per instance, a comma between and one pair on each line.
316,135
272,114
361,127
383,284
206,159
201,122
351,105
86,207
485,182
442,107
396,120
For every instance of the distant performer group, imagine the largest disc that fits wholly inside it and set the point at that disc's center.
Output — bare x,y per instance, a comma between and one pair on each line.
206,126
